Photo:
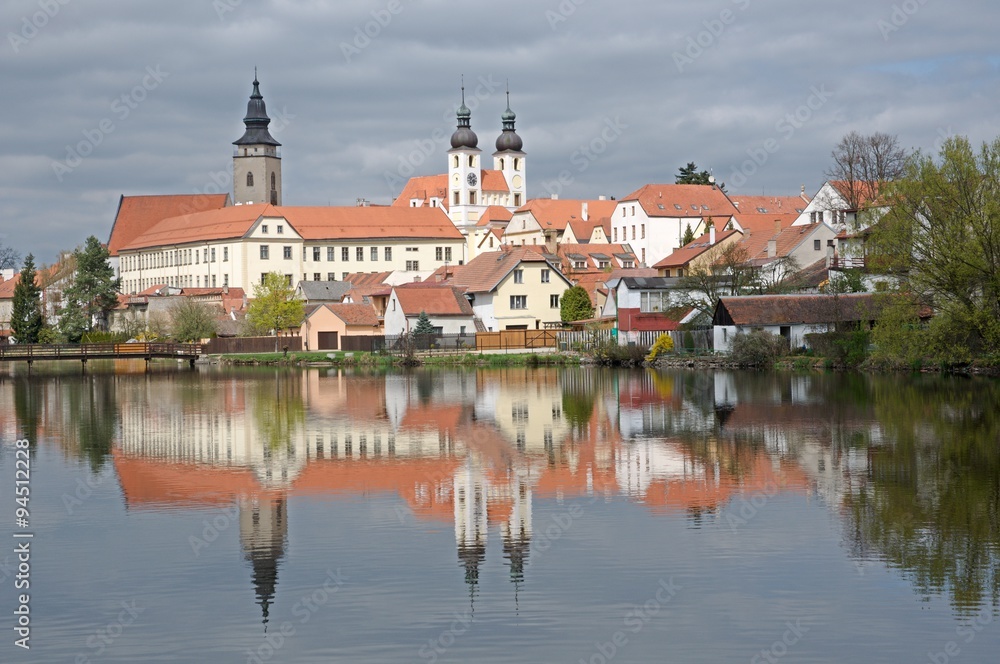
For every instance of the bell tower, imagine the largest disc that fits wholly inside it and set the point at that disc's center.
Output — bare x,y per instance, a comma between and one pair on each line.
256,160
465,200
509,159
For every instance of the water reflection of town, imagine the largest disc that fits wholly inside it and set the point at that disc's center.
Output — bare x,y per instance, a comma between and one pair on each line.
476,449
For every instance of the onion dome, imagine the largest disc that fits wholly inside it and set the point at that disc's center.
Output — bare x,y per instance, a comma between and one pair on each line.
256,120
509,140
464,137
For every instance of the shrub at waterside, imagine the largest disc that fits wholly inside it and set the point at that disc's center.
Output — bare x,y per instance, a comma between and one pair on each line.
758,349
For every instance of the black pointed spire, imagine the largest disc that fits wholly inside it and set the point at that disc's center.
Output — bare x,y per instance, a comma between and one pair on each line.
256,120
464,137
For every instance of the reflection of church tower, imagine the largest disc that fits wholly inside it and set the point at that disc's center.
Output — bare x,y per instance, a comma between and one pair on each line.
256,162
263,530
517,531
471,525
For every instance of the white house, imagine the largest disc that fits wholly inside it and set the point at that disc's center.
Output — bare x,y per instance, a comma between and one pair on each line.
654,218
446,306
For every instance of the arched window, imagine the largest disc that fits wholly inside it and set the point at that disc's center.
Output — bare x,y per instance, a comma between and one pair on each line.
249,179
472,161
273,180
517,164
501,163
454,161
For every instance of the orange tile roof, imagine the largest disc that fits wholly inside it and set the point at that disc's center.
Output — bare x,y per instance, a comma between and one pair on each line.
494,214
868,193
435,299
556,213
485,272
365,223
423,188
756,223
7,287
225,223
583,230
366,279
493,180
138,214
770,204
785,242
661,200
354,314
681,257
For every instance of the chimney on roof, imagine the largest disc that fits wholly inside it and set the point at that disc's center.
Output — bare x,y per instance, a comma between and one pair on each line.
772,248
711,235
777,226
585,213
602,198
736,204
555,197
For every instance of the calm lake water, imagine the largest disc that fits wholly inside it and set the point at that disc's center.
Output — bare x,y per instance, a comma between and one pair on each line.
546,515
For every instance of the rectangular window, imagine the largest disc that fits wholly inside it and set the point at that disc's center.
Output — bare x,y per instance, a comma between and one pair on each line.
263,228
213,281
518,301
412,266
329,255
653,301
633,231
447,254
438,253
388,253
517,200
281,228
359,253
472,198
331,276
225,280
553,301
454,198
643,231
264,253
263,277
343,276
213,254
374,253
288,279
225,254
316,254
204,259
345,254
316,276
287,252
616,234
545,276
518,276
817,245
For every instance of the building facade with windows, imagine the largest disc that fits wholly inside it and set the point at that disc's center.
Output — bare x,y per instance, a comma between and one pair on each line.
237,245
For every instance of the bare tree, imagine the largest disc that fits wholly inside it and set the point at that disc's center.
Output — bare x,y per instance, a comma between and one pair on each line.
10,258
864,164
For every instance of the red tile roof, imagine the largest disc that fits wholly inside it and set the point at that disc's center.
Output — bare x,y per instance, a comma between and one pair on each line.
765,223
798,309
365,279
423,188
556,213
662,200
364,223
355,314
770,204
681,257
494,214
493,181
485,272
583,230
785,242
435,299
867,193
138,214
225,223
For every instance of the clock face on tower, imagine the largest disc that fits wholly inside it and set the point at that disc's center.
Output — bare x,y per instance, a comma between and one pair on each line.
472,179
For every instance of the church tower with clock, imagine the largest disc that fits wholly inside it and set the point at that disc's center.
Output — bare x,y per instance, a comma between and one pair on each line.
465,190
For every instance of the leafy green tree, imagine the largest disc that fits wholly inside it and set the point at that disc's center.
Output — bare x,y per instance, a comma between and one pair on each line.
191,320
424,325
942,236
274,307
26,314
94,288
690,174
575,305
688,236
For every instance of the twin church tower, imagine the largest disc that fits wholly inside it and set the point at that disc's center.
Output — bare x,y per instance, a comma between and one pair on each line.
471,189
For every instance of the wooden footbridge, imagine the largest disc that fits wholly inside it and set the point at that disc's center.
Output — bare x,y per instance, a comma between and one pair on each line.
31,353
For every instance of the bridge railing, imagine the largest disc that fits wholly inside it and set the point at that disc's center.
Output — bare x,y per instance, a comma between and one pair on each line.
96,351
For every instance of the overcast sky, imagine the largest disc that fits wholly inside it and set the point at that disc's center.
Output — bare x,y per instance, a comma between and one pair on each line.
107,98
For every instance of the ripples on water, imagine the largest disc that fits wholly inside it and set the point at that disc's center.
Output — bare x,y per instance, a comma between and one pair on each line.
517,515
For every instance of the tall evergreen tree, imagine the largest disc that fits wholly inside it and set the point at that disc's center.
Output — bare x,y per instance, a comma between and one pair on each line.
688,236
94,285
690,174
424,325
26,314
575,305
